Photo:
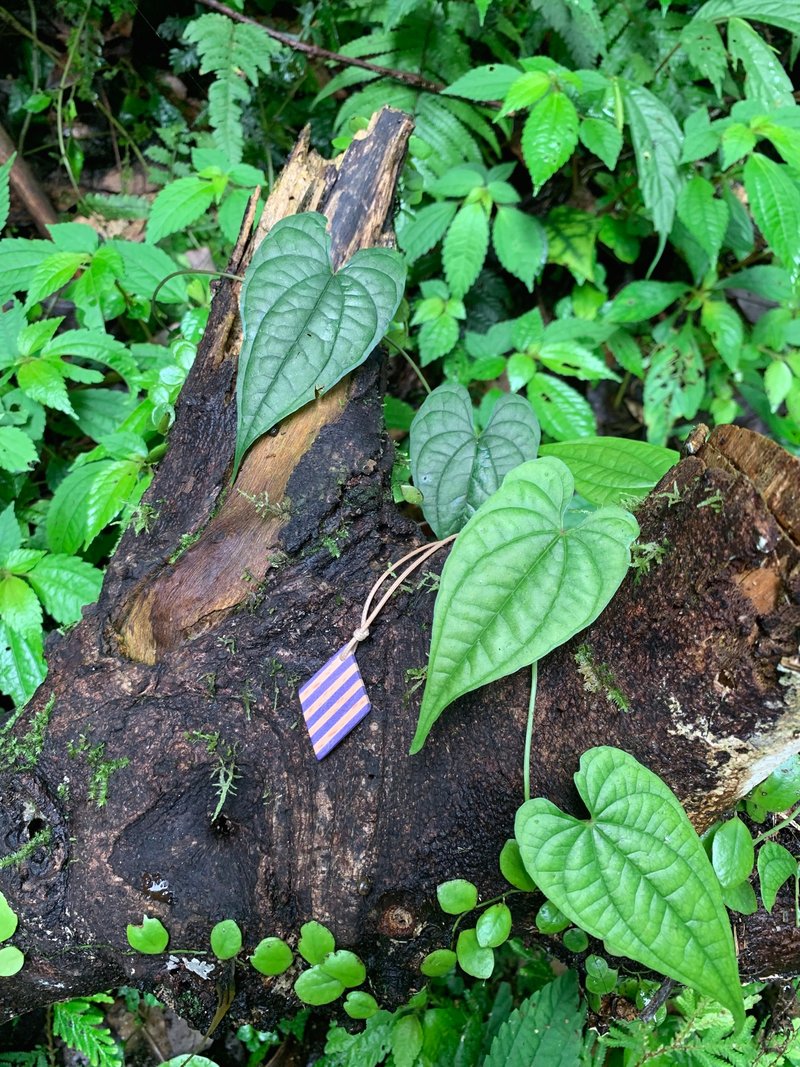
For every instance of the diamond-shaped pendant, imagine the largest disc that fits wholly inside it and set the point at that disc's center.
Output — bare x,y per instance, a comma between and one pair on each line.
334,701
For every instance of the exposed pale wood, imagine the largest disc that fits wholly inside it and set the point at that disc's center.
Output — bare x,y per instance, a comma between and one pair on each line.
25,185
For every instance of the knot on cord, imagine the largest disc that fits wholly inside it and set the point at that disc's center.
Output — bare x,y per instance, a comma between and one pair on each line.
361,634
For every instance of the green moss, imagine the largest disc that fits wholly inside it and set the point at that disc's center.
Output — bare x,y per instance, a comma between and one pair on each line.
43,837
599,678
101,768
22,753
185,543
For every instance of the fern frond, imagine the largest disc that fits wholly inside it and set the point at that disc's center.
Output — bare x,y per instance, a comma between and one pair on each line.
79,1024
235,53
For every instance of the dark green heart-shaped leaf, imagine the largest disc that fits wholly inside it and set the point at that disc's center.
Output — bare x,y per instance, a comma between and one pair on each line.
454,467
304,327
519,582
635,874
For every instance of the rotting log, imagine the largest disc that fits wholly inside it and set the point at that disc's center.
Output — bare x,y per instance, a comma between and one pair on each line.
189,663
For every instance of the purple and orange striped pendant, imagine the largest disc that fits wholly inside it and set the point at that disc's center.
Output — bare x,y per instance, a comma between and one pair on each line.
334,701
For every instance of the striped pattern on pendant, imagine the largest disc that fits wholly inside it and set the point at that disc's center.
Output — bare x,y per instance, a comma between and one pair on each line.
334,701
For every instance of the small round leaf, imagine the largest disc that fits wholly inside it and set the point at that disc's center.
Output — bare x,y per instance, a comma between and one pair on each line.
475,960
513,869
8,919
550,919
272,956
226,940
11,961
149,938
438,963
600,978
360,1005
494,926
575,940
457,896
315,987
345,967
316,941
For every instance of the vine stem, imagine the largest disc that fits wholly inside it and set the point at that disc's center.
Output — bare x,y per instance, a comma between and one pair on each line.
423,380
323,53
60,97
778,826
526,759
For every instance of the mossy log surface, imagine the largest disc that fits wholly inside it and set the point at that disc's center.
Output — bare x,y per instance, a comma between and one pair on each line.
191,661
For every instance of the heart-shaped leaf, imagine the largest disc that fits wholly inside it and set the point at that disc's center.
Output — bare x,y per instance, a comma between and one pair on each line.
635,874
304,327
272,956
454,467
520,581
151,937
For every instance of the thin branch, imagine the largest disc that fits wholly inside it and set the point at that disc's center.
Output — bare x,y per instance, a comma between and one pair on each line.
406,76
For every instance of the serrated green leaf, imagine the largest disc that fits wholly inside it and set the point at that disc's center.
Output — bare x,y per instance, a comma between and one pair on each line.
74,237
518,582
178,205
19,606
316,941
437,338
561,410
626,352
41,380
611,470
425,229
345,967
483,7
17,450
472,958
644,300
528,89
458,181
272,956
571,240
304,327
454,468
11,961
602,138
406,1040
766,81
549,137
520,242
8,919
87,500
732,853
774,12
465,245
726,330
657,142
150,937
316,988
704,216
546,1030
700,140
575,361
490,82
706,52
635,874
22,665
456,896
520,369
226,939
774,198
145,266
19,259
776,865
438,963
53,273
5,200
778,381
493,926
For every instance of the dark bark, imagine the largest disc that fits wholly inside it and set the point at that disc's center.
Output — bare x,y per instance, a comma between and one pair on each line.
216,642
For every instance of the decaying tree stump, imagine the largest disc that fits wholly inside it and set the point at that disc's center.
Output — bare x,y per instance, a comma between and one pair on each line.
189,665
